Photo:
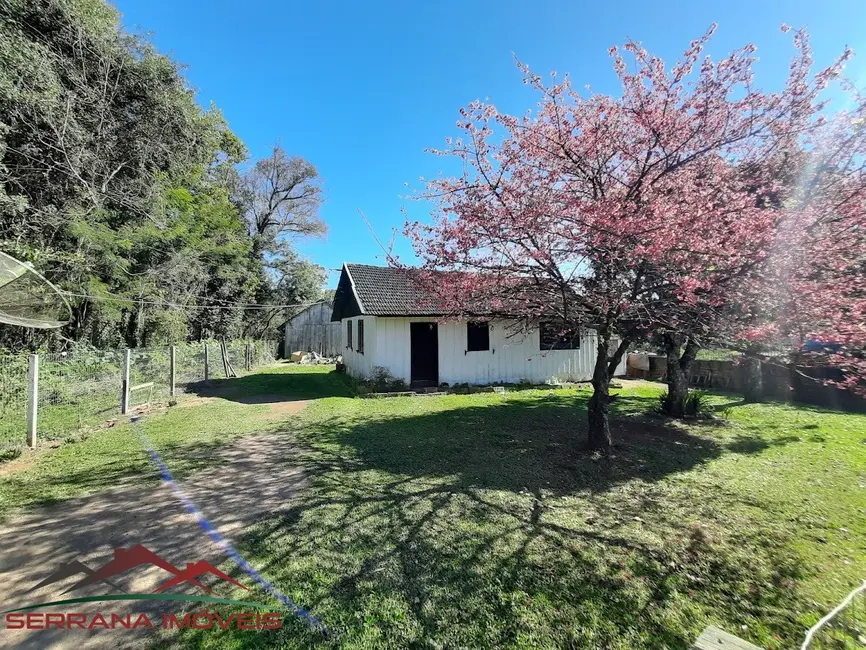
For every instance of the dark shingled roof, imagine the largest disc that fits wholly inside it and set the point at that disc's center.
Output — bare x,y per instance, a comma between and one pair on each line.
365,290
386,291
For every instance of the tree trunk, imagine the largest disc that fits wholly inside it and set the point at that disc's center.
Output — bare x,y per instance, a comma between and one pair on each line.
598,408
599,404
129,320
753,380
679,371
79,320
258,248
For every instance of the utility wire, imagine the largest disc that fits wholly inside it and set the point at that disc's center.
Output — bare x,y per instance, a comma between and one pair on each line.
223,305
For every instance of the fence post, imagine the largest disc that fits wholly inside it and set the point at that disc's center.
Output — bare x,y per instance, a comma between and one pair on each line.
124,396
248,361
206,363
32,399
172,369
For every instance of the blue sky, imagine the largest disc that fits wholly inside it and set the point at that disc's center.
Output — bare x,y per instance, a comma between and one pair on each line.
360,89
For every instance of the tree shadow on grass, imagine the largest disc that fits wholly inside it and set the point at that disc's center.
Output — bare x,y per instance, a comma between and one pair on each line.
487,526
746,444
269,387
514,445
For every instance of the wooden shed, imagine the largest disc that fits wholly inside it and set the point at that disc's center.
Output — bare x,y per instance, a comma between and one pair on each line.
311,330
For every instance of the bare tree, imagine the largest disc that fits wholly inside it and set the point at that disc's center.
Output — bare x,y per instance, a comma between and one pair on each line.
282,195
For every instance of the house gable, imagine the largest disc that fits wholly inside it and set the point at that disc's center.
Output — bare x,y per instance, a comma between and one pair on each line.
346,302
365,290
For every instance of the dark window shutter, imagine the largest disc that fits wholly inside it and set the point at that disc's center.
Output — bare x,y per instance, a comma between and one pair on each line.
360,336
477,336
555,336
349,334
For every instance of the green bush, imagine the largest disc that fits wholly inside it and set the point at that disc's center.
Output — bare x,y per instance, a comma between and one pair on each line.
696,404
381,380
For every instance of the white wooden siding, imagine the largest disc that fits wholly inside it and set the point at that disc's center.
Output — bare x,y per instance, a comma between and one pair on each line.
512,358
357,364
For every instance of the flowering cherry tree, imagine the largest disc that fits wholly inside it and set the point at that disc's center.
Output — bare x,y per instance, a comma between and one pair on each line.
623,215
811,285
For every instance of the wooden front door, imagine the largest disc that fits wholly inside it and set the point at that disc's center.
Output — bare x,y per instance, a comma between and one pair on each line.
424,347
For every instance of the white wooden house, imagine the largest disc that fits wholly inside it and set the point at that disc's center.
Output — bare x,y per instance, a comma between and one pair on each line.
386,323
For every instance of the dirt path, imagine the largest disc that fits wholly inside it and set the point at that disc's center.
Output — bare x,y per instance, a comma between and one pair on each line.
257,479
279,404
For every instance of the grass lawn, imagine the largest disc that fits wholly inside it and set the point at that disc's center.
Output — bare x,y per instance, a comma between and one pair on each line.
95,460
476,521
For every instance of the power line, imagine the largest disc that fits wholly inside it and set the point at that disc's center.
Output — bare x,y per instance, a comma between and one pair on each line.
225,304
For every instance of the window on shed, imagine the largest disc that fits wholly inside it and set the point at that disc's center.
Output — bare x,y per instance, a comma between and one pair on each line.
360,336
554,336
349,334
477,336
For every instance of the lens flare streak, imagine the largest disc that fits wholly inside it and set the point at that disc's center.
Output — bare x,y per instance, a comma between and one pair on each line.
221,541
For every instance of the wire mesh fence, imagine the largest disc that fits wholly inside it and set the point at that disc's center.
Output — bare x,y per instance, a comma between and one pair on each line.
77,391
189,366
263,353
84,388
13,401
150,375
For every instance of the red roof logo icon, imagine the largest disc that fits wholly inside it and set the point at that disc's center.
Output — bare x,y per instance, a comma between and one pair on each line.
136,556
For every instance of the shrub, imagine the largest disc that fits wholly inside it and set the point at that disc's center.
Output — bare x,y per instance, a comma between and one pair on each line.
9,453
381,380
695,405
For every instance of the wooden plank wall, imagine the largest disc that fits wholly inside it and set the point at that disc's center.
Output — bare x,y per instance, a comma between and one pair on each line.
312,331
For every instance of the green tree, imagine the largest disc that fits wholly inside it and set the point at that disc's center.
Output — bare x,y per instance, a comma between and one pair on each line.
114,182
